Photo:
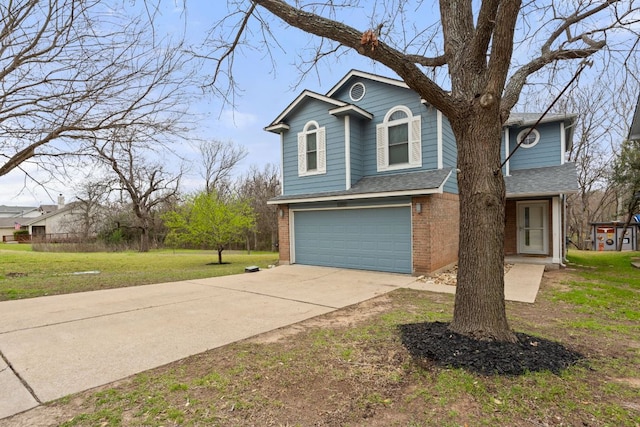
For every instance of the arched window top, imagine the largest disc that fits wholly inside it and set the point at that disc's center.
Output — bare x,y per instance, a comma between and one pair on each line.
399,112
399,140
312,159
311,126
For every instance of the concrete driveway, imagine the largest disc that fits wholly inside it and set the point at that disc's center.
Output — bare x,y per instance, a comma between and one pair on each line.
54,346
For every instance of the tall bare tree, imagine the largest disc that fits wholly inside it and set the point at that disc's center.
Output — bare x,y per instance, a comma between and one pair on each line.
74,70
258,186
480,82
90,208
218,160
593,155
147,183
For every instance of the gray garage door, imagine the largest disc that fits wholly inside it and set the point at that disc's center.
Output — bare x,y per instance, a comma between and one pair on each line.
367,239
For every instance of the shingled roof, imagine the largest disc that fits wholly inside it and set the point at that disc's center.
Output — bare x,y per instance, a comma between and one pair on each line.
545,181
410,183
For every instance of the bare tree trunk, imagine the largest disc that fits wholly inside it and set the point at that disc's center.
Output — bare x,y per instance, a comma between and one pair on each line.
620,241
479,304
144,239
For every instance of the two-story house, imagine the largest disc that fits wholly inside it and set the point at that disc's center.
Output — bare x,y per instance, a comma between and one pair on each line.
369,180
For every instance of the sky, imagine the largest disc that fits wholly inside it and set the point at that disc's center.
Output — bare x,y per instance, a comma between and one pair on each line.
264,93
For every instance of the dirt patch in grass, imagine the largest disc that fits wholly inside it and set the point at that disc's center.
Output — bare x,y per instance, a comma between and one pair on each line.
350,368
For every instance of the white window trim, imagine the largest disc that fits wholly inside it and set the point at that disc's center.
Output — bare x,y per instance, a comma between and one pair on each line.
321,149
523,132
415,140
364,91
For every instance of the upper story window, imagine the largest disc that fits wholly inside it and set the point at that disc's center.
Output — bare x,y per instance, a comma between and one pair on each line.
530,140
312,150
398,140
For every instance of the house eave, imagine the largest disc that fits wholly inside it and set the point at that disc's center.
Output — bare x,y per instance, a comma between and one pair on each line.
305,95
549,119
537,195
314,199
277,128
351,109
362,74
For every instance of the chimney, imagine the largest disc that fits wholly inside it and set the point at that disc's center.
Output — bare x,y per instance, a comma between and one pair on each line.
60,201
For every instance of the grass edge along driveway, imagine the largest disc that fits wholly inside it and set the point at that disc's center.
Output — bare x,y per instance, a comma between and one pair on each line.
27,274
348,368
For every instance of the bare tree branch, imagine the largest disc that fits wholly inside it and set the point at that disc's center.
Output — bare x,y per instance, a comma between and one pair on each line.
75,70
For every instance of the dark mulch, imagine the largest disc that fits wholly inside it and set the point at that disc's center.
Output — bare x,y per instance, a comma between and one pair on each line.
434,342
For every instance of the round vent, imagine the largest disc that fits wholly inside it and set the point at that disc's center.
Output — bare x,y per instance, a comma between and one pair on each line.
356,93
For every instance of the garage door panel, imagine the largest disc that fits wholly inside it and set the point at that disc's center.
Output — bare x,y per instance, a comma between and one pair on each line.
370,239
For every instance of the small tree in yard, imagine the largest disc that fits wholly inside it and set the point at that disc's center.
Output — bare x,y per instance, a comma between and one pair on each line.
208,221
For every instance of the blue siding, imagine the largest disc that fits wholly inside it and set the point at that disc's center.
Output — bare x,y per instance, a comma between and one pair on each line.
378,100
369,239
449,155
334,179
357,148
545,153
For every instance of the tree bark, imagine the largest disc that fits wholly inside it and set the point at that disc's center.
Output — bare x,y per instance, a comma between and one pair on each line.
144,239
479,309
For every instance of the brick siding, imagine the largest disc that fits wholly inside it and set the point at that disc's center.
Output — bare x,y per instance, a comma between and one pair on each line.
283,234
511,228
435,232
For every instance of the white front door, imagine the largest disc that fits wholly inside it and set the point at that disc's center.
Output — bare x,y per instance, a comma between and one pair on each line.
533,232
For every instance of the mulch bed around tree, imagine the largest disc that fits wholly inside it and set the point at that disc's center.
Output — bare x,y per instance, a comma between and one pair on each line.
434,342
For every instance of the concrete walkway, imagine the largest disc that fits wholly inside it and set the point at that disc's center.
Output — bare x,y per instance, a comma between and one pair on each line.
521,283
54,346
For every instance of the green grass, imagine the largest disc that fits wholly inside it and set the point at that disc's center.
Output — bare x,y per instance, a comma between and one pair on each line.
26,274
609,289
235,384
360,374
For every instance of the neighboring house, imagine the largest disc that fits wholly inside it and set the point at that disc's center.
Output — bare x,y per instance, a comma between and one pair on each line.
19,212
369,180
50,220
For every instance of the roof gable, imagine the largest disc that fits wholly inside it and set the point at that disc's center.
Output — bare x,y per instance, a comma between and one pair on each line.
361,74
304,96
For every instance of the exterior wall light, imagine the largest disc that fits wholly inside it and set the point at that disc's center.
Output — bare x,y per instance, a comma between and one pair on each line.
418,207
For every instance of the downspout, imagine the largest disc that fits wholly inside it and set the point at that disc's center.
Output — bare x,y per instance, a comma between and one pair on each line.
281,163
563,259
439,139
347,151
507,172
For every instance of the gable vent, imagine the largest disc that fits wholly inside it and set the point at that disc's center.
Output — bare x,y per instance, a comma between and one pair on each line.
356,93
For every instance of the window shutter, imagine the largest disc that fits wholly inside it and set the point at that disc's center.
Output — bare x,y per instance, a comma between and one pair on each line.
415,146
382,149
321,148
302,154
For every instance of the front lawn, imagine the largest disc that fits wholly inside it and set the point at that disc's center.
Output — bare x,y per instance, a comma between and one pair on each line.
349,368
26,274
